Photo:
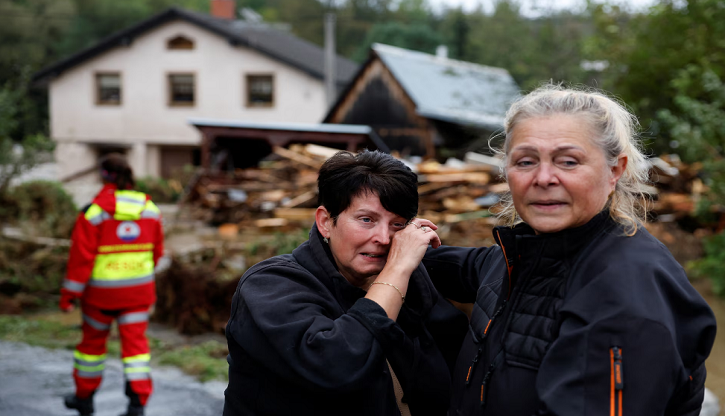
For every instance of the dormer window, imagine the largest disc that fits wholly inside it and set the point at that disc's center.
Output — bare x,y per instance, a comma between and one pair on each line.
180,42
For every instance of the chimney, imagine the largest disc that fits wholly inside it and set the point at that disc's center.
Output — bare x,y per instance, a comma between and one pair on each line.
223,9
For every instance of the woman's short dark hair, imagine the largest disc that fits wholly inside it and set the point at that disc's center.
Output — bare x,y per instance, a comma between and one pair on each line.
346,175
115,169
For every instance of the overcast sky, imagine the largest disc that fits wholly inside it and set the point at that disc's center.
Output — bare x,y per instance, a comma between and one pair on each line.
533,7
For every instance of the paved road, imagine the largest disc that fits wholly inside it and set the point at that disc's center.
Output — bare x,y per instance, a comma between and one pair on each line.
34,380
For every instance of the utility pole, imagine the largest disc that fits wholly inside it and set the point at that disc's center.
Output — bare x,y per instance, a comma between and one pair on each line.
330,75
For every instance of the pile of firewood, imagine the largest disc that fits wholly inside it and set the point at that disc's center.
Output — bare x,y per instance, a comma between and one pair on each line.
272,195
281,193
277,200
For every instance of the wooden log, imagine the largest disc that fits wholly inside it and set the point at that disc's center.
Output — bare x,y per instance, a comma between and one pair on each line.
296,214
300,199
499,188
297,157
322,151
493,164
458,177
453,218
270,222
432,187
461,203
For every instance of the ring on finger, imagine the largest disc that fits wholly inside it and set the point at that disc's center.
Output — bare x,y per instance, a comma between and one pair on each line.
416,224
425,228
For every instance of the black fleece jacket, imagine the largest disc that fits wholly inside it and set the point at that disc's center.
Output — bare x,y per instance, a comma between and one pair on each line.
586,321
304,341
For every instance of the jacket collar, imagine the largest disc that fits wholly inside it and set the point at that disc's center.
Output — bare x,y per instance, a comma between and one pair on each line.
520,242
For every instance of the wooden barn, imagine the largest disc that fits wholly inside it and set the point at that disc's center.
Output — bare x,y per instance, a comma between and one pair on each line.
231,144
426,105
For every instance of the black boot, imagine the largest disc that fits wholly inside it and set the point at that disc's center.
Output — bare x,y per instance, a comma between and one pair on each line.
133,411
83,406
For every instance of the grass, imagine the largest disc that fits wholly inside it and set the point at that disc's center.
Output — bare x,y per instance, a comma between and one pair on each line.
206,361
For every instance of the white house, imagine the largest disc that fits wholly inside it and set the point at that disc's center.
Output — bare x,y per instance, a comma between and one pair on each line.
135,91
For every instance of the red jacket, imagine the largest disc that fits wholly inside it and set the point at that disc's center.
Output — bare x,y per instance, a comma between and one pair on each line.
115,245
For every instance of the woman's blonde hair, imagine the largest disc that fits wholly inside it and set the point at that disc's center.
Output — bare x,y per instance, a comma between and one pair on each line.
615,133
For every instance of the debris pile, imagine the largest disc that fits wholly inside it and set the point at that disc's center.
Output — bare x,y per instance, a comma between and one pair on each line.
460,196
677,188
269,209
276,194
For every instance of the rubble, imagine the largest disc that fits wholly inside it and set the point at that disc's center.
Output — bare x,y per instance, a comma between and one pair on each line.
281,194
270,208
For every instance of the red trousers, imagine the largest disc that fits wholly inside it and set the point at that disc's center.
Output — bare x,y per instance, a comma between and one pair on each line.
90,354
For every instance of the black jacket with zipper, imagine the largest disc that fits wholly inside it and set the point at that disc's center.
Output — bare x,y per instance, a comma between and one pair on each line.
304,341
586,321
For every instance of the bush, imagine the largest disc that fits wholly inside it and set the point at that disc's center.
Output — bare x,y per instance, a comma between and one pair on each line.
161,190
30,275
41,206
282,243
713,264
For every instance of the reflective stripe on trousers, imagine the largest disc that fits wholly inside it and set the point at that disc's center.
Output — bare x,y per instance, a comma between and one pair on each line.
137,367
88,365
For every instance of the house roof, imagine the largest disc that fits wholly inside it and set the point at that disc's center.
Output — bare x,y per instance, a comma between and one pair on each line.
451,90
275,43
304,131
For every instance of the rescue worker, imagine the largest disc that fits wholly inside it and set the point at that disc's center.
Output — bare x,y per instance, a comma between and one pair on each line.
116,243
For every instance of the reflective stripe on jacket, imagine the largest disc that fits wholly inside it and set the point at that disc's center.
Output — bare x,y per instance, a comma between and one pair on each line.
115,246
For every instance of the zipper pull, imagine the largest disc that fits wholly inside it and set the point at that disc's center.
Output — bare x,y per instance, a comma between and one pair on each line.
500,308
473,365
618,381
490,321
483,386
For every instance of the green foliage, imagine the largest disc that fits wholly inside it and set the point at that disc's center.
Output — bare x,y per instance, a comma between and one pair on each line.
279,243
532,50
37,331
95,19
19,150
415,36
713,264
29,29
206,361
42,207
675,85
696,121
32,270
160,189
647,60
285,243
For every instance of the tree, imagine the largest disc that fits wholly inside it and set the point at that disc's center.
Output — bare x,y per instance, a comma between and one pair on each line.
644,65
95,19
16,156
695,124
415,36
532,50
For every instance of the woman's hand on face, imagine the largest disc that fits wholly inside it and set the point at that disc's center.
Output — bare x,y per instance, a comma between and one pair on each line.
410,243
428,227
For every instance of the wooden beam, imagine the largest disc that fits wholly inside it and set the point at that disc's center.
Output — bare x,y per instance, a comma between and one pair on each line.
300,199
299,158
206,140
